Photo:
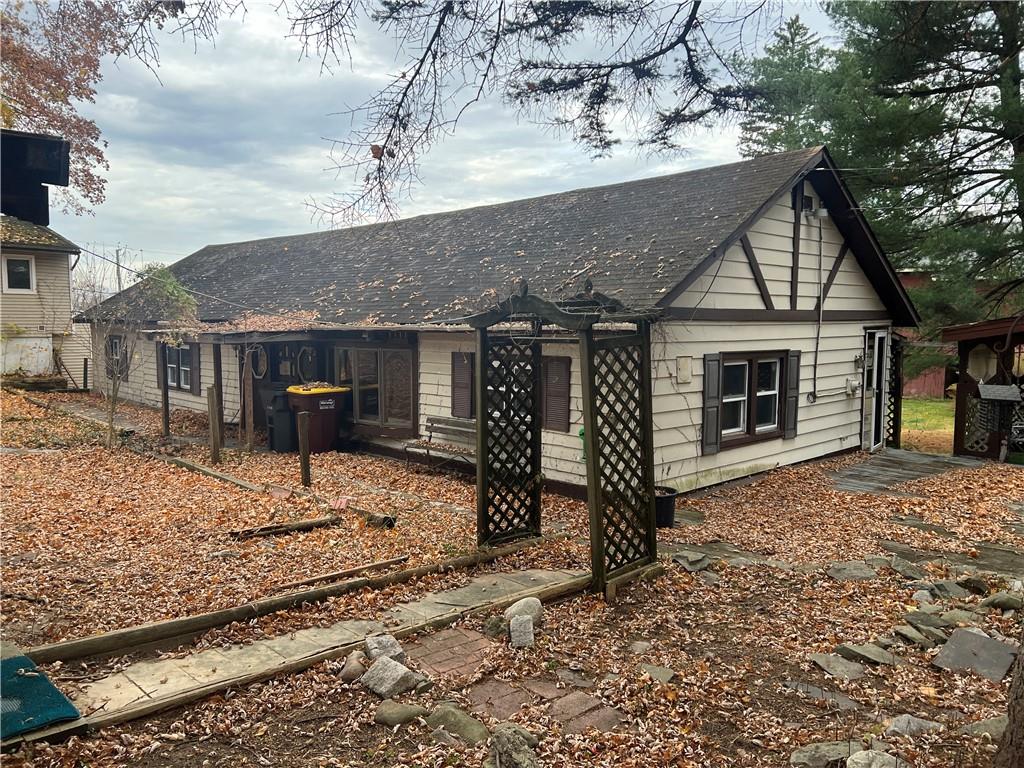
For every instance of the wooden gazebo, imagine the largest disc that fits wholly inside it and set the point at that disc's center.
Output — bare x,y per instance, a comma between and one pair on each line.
989,402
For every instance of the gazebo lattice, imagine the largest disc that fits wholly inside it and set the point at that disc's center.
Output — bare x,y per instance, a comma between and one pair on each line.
617,424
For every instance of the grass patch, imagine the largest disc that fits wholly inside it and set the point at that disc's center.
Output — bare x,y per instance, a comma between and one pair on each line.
928,415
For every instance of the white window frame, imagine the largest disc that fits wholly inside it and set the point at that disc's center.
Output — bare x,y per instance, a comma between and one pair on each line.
742,428
185,371
31,273
758,393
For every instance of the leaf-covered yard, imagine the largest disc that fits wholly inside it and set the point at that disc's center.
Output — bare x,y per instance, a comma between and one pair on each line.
111,538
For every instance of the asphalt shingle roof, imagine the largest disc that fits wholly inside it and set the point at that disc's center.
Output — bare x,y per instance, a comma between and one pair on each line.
17,233
635,240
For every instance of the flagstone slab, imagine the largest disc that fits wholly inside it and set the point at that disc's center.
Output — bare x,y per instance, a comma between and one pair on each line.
970,651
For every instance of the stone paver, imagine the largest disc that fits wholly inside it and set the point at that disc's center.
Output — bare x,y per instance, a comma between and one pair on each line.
497,698
544,688
573,705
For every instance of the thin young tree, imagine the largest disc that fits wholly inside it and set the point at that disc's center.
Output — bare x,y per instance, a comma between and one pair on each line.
118,323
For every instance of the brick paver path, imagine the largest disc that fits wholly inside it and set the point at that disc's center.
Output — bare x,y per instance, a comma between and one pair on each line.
455,651
576,710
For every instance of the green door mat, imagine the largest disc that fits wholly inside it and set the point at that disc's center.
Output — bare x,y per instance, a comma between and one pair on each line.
28,700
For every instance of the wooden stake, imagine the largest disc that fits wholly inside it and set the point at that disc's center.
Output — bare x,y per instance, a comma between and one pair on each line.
212,411
341,574
218,383
302,422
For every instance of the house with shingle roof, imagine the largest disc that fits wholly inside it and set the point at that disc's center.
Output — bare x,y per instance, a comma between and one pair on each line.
775,307
35,295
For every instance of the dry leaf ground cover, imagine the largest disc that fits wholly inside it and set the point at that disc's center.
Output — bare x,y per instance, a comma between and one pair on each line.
26,425
797,515
732,646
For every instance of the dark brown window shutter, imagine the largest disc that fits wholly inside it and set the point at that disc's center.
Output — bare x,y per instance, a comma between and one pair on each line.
555,393
195,386
462,385
711,429
792,392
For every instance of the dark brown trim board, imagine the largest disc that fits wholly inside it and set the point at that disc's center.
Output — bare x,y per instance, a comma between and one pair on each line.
762,286
773,316
832,275
794,277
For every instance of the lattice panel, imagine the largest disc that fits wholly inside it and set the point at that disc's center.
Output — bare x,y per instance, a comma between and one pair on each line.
975,436
894,395
1017,425
511,406
623,467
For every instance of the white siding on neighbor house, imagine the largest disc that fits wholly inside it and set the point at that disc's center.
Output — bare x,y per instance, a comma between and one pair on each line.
142,385
74,348
833,423
48,309
561,452
729,284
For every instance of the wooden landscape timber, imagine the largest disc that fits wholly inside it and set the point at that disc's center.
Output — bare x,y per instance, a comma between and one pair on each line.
100,720
275,529
123,640
334,576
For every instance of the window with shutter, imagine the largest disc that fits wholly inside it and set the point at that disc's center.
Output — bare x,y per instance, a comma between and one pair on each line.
749,397
463,400
555,393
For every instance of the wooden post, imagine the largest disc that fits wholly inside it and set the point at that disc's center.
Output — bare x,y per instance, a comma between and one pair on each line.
590,439
482,436
215,436
647,439
218,384
302,422
250,427
85,373
165,401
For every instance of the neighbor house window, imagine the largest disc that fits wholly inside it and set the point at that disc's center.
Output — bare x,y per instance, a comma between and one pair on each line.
115,354
181,365
749,397
19,274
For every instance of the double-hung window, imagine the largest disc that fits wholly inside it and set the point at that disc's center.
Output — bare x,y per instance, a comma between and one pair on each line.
19,275
181,367
751,396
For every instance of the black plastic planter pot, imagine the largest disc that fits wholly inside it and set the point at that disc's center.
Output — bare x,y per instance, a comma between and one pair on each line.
665,506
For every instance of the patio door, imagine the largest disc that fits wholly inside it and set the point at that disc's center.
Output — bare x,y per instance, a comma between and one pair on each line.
876,382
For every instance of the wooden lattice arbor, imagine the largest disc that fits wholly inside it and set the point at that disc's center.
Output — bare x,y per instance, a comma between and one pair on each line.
615,355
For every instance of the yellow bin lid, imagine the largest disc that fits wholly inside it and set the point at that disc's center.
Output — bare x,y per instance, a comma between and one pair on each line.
302,389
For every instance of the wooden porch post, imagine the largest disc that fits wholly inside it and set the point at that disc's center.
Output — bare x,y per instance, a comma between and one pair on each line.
963,351
218,385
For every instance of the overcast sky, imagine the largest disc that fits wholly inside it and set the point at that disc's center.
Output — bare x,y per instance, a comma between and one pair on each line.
230,144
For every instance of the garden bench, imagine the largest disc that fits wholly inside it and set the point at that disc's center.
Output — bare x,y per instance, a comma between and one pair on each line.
453,433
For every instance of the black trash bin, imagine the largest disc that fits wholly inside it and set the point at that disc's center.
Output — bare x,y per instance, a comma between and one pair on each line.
665,506
281,435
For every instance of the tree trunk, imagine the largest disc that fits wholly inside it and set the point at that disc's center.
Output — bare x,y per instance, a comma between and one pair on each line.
1011,748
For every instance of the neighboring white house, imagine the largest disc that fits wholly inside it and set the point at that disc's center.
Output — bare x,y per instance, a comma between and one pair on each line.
777,307
35,302
35,261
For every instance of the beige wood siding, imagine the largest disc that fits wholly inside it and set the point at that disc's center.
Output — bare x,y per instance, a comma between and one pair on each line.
142,385
833,423
74,348
48,310
561,451
730,284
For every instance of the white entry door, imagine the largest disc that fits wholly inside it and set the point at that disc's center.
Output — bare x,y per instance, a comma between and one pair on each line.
876,384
